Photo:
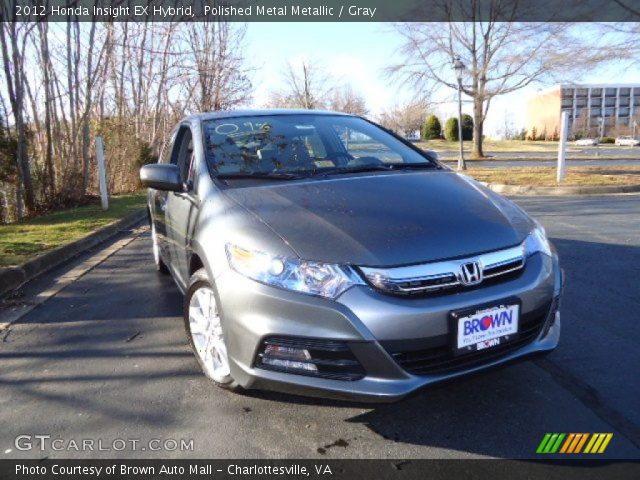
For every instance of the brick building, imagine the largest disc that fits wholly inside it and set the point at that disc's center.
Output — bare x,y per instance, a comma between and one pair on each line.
610,109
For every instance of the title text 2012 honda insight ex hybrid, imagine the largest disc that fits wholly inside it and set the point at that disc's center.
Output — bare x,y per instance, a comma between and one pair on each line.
321,254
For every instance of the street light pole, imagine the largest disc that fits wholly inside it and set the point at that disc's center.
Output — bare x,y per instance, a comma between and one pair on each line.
459,68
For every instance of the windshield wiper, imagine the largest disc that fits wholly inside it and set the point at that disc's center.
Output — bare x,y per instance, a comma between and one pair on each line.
362,168
376,167
415,166
269,175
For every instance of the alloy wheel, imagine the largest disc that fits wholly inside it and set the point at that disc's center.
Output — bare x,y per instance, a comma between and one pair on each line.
207,335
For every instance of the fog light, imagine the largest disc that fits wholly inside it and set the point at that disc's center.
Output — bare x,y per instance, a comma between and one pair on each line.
290,364
317,357
291,353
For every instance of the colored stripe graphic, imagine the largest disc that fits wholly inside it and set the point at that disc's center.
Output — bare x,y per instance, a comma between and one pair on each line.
605,443
581,442
567,443
573,443
550,443
543,443
590,444
598,443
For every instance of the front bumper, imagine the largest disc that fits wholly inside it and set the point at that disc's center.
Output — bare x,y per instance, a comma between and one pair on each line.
375,327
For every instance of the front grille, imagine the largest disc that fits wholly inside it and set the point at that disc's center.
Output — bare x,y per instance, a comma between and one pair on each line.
430,283
503,268
332,359
444,276
439,359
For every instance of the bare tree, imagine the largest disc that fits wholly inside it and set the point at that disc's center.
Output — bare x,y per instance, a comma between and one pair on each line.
622,37
306,86
128,82
501,57
405,119
13,38
217,67
345,99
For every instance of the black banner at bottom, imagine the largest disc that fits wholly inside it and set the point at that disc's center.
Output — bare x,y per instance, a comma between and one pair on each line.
315,469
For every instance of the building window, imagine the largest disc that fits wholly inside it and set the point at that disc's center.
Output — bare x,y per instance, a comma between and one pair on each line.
625,91
623,112
610,92
610,102
609,112
595,112
596,92
582,92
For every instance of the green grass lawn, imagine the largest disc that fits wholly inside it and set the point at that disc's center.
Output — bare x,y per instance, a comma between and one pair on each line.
491,146
22,241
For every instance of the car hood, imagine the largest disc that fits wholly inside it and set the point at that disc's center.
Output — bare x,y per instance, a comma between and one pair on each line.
387,219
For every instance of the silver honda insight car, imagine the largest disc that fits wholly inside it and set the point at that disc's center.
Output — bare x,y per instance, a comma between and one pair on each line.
321,254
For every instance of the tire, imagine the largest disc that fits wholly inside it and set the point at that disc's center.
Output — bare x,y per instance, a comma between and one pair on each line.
205,333
160,265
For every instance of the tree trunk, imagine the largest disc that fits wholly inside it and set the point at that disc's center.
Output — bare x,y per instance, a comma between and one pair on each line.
14,76
478,124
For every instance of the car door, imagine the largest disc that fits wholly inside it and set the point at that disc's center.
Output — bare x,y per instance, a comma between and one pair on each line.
158,204
182,207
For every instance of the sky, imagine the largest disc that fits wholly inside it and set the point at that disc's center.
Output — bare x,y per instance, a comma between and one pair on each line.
357,53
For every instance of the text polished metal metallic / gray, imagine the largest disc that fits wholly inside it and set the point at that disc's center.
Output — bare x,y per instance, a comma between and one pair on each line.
429,277
320,254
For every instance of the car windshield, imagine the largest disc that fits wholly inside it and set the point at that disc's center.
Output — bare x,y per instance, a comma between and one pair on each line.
287,146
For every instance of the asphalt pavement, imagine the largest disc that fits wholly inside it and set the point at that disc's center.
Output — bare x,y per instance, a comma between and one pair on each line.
106,358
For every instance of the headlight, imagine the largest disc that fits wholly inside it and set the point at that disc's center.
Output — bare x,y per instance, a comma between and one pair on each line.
313,278
537,242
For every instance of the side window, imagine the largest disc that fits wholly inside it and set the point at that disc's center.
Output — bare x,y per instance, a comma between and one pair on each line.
167,149
182,154
191,175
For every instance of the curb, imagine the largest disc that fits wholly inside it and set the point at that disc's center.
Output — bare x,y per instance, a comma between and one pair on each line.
568,190
13,277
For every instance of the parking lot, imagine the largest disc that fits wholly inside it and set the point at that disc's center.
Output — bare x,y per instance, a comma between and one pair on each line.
106,358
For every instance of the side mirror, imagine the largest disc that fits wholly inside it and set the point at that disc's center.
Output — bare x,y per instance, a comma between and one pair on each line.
161,176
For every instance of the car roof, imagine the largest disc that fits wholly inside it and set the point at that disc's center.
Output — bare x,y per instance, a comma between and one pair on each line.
260,112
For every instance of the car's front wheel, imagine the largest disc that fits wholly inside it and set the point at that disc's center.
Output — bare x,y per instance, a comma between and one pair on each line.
204,329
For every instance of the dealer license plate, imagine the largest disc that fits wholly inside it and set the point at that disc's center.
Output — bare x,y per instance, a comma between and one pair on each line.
487,328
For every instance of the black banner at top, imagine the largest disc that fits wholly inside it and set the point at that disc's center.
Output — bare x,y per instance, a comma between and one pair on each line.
323,10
